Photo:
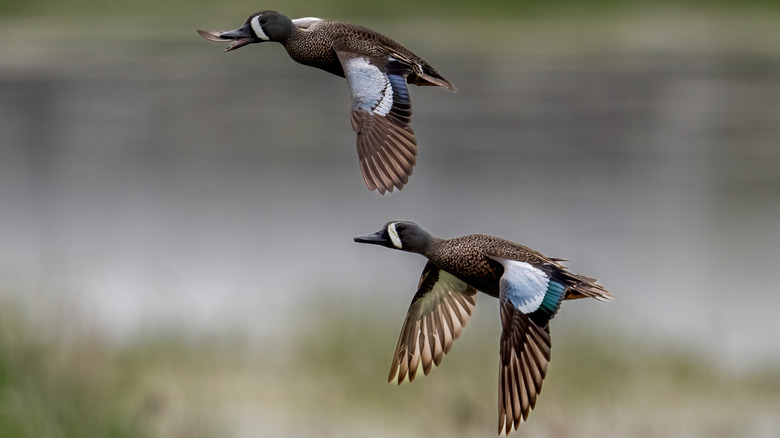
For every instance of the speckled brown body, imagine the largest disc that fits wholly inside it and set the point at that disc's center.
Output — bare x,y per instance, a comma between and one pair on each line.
467,258
316,46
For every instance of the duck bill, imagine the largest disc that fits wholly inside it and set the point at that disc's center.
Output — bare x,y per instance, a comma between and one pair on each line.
378,238
239,37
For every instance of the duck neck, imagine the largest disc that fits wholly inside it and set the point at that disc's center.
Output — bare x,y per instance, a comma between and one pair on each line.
427,245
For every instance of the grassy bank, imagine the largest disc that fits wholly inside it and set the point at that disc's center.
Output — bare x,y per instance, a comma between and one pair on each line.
328,379
58,380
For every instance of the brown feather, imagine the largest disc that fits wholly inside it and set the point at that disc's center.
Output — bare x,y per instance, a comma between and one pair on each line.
430,326
387,148
525,354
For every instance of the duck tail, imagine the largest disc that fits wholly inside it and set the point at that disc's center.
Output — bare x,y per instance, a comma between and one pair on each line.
426,80
581,286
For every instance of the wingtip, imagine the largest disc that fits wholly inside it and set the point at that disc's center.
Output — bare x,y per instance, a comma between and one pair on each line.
395,374
383,190
504,427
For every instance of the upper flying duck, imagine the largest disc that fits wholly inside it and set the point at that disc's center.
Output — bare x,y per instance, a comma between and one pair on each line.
377,70
529,286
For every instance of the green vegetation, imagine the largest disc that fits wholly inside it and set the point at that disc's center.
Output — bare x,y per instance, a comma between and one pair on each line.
356,8
328,379
50,387
599,384
55,382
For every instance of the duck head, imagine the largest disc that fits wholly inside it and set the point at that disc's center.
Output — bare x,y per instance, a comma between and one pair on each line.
403,235
259,27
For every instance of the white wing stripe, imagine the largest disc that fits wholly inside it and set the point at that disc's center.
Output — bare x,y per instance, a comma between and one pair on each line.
523,284
370,88
386,101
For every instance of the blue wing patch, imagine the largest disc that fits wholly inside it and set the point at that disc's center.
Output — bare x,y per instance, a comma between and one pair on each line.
523,285
553,298
400,89
531,290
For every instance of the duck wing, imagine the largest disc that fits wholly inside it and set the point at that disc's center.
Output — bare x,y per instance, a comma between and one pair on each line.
381,114
529,296
439,311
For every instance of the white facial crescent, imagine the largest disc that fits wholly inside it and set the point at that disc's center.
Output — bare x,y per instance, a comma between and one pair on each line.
394,236
258,28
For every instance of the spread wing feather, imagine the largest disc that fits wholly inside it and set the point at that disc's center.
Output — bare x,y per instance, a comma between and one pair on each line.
381,114
439,311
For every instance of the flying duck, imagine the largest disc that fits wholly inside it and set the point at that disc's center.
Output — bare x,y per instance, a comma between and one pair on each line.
529,286
377,70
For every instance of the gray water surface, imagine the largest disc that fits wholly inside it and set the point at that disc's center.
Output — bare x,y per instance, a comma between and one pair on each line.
185,187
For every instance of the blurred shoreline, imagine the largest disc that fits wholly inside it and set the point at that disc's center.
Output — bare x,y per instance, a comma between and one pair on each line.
328,379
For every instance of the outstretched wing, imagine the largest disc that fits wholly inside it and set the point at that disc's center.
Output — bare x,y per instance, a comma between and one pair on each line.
529,296
525,353
381,113
440,310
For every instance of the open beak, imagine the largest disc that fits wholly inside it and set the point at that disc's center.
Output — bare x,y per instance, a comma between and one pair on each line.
378,238
239,37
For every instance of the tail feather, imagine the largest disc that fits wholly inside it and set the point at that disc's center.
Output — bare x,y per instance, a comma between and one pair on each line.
581,286
423,79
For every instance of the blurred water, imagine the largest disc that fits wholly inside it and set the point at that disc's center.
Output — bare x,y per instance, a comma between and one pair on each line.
182,186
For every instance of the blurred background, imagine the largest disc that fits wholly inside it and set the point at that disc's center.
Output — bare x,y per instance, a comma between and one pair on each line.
176,223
